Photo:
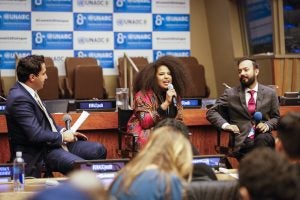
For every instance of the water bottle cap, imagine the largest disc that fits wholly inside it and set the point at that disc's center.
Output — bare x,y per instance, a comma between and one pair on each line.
19,153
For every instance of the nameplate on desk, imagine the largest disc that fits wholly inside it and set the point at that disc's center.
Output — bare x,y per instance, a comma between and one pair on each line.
6,172
191,102
109,165
96,105
208,103
2,107
106,170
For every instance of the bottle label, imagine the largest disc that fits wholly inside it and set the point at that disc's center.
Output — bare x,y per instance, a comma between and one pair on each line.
18,177
21,178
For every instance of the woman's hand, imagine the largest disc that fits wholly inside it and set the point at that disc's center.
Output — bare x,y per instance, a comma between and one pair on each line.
169,95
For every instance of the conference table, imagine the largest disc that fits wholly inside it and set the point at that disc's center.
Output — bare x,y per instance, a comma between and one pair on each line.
32,186
102,127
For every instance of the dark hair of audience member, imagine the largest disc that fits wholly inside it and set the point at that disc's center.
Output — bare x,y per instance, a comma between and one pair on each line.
268,175
180,126
177,124
289,134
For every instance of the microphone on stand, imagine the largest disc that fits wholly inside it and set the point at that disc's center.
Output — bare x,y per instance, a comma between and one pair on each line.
225,85
67,119
170,87
1,97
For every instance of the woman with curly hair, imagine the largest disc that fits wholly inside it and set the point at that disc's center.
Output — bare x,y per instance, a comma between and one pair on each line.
161,170
153,100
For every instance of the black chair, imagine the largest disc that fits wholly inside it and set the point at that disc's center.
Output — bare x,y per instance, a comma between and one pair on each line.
228,150
127,147
213,190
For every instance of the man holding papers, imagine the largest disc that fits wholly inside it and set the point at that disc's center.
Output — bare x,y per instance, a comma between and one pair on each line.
32,130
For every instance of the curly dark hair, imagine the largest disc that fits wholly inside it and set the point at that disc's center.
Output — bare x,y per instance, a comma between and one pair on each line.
268,175
31,64
146,78
289,133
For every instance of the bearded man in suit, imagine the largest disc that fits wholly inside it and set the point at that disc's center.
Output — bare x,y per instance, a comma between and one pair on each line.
238,106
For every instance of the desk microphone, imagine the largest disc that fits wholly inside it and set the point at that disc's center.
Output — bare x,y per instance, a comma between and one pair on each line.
1,97
226,86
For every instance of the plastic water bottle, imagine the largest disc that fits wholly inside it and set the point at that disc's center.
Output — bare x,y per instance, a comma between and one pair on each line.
19,172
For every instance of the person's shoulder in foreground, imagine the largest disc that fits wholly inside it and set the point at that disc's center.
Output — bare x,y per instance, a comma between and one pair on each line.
151,184
82,185
159,171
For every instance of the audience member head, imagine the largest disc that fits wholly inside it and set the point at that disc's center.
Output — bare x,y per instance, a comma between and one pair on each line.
82,185
167,149
88,183
248,72
288,138
264,174
180,126
177,124
151,77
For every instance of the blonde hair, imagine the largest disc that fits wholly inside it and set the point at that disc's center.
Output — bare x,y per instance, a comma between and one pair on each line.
169,150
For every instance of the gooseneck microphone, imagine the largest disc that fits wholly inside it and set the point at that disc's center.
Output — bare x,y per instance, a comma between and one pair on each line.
171,87
1,97
226,86
257,117
67,119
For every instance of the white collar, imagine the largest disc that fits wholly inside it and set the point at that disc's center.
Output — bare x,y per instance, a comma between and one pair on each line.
29,89
255,88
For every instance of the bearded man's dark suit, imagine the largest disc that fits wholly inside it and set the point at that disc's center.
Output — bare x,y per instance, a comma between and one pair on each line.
235,103
29,131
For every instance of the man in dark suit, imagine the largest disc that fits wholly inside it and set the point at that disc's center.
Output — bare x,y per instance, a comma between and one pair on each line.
32,130
239,105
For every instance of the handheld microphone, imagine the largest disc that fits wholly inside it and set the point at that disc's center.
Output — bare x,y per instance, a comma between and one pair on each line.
67,119
170,87
257,117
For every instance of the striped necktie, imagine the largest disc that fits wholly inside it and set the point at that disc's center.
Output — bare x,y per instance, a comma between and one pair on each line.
251,103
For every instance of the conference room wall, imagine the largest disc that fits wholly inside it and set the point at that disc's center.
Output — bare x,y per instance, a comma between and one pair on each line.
215,41
228,45
200,48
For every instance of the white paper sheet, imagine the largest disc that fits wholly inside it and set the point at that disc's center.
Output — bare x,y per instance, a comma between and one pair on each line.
229,172
84,115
